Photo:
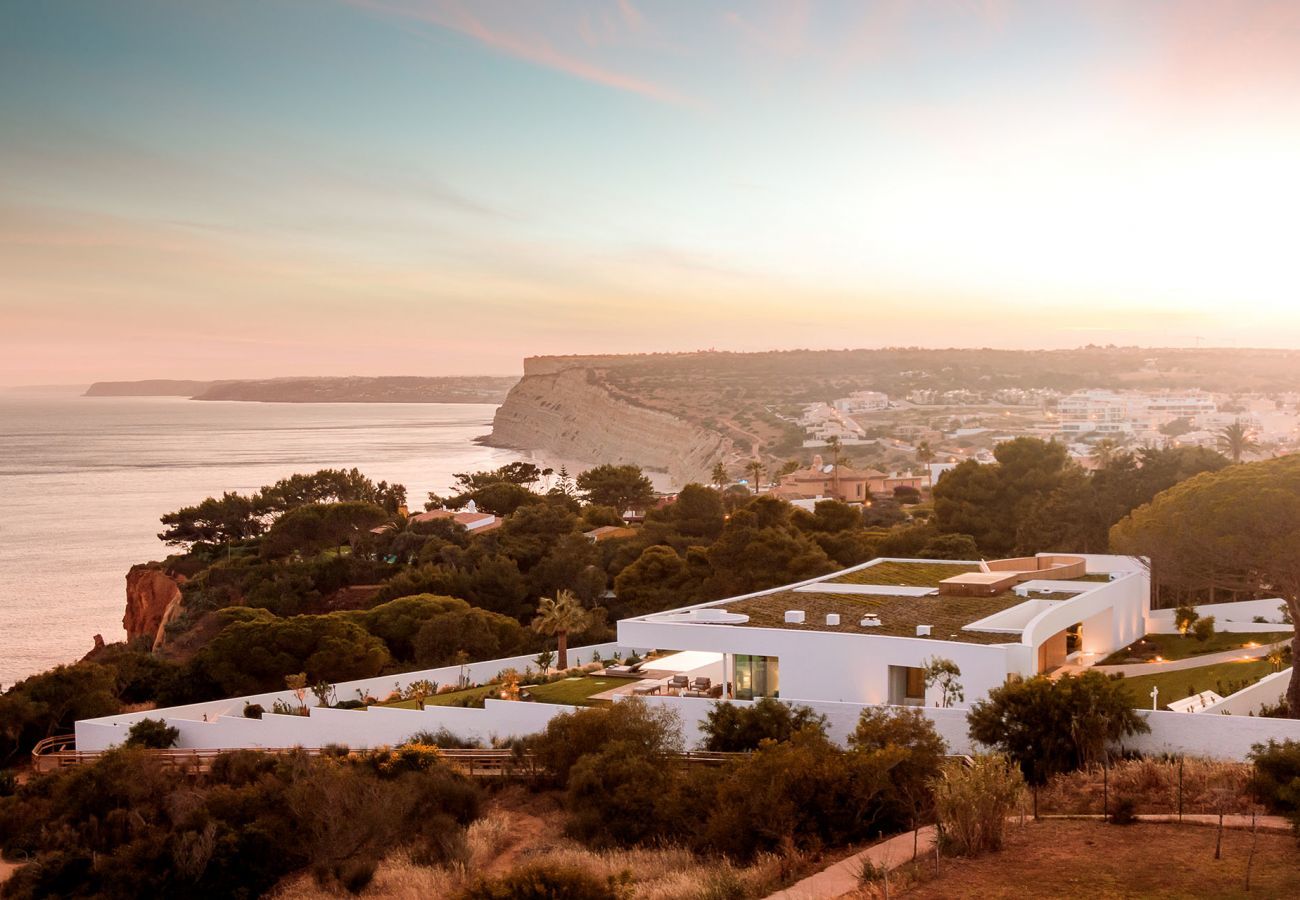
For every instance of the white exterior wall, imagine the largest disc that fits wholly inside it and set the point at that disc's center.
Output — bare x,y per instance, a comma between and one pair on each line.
844,667
1114,615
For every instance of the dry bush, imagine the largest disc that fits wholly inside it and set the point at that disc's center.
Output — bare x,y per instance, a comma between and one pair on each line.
1209,786
485,839
973,803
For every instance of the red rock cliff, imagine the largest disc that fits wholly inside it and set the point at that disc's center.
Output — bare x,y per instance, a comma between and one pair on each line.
151,592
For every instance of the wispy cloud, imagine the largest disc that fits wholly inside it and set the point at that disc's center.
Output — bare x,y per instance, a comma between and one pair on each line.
527,44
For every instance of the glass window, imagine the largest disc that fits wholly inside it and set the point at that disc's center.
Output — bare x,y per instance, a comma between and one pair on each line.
756,676
906,686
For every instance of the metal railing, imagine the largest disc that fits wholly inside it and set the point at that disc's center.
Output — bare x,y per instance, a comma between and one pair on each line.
59,752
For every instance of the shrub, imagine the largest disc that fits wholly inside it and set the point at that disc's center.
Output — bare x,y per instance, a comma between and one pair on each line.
253,710
8,782
154,734
1203,629
445,739
1124,811
542,881
615,794
570,736
804,793
732,729
973,804
1275,781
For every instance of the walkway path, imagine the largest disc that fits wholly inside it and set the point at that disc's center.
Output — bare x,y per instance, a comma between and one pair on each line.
1192,662
842,878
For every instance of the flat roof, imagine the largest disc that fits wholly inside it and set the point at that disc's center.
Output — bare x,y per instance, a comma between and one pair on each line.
927,573
899,616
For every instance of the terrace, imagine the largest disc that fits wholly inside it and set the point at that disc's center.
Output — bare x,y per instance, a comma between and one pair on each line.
918,574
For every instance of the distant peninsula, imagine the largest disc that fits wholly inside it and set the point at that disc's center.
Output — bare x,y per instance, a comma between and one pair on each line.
156,387
381,389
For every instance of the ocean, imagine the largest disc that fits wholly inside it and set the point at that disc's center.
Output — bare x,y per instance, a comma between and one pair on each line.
83,481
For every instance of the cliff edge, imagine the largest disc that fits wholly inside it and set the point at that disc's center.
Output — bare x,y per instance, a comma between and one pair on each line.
572,414
153,598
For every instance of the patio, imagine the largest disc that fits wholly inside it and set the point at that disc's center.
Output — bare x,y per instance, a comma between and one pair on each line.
691,673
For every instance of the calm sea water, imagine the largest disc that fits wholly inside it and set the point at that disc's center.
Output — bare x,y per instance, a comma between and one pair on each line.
83,481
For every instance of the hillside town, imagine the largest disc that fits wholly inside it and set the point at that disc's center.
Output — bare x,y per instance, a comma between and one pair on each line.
939,430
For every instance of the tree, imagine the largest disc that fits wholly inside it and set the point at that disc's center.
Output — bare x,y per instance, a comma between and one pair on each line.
49,704
255,649
950,546
1052,726
622,487
988,502
1203,630
1236,441
152,734
754,469
1234,529
330,486
732,729
944,673
719,477
761,548
1104,452
658,579
308,530
697,515
232,517
924,453
559,616
1185,617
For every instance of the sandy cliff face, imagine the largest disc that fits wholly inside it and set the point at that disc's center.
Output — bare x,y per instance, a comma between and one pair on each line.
153,598
571,414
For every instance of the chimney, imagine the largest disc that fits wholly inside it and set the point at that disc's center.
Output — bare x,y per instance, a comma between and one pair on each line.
924,630
832,618
794,616
870,620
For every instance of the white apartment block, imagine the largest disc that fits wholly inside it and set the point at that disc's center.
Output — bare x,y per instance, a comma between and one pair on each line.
1131,413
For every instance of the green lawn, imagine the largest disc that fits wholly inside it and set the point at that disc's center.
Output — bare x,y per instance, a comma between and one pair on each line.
1175,646
454,698
576,691
1222,678
906,574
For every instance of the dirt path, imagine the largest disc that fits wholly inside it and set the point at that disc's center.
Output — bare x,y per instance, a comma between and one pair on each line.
842,878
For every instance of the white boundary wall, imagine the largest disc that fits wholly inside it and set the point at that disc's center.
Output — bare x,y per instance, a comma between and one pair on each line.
1247,701
1206,734
1234,617
96,734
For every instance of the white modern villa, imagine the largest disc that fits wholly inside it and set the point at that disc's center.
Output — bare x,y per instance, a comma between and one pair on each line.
837,643
864,635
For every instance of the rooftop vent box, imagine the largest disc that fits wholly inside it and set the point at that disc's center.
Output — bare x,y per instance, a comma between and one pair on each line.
794,616
870,620
832,618
923,630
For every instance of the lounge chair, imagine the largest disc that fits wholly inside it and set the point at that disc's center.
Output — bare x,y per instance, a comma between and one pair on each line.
680,682
702,684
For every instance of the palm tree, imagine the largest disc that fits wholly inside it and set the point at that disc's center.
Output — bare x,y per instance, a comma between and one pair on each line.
924,453
719,477
1236,441
755,470
1104,452
834,443
558,616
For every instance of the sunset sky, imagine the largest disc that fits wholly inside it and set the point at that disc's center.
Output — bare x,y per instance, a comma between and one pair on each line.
276,187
